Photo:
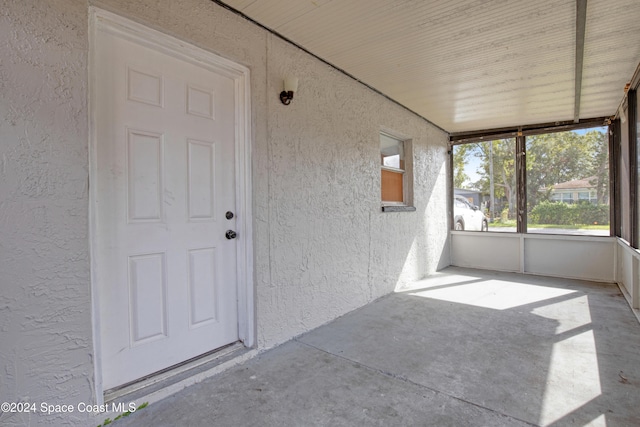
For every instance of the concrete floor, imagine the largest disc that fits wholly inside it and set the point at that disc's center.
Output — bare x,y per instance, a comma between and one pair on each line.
462,348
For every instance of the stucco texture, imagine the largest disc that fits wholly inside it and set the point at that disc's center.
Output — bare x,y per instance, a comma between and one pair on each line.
45,312
322,246
331,247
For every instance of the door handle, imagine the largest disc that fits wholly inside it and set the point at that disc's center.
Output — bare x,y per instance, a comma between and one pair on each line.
230,234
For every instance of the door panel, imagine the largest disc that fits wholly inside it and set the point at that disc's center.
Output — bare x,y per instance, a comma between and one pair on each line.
201,184
166,274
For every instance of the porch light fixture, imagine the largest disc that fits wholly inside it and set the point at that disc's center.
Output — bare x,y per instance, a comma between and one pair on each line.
290,86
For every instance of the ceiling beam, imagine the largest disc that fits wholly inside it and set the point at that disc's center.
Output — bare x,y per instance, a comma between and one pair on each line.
526,130
581,24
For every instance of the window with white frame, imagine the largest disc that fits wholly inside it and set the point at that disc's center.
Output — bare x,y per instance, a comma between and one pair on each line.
396,170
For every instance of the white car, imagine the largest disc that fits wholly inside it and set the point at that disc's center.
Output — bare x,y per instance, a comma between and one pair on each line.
467,216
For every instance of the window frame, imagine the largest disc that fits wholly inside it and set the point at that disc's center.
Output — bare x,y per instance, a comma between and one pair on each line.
520,134
406,161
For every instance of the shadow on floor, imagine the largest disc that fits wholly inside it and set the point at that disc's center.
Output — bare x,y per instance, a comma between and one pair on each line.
463,348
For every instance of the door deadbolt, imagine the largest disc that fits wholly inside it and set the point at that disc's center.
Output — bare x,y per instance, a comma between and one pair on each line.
229,215
230,234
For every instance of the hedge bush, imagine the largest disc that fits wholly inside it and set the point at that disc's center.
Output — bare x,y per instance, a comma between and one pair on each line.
565,214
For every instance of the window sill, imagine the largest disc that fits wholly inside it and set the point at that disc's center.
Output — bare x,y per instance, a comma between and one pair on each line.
398,208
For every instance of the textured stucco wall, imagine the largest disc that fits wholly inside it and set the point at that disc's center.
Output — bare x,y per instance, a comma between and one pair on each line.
322,246
45,316
331,247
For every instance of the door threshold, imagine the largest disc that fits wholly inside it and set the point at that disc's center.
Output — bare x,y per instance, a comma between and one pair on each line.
174,374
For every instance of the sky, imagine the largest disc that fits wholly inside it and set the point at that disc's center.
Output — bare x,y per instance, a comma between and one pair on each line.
473,162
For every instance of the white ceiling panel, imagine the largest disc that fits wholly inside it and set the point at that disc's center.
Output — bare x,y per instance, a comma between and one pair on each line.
469,64
612,52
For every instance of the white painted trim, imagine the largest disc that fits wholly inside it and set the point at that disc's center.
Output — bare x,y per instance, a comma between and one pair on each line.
407,173
632,297
565,237
518,262
535,236
627,247
390,169
166,376
392,133
115,24
633,288
158,395
244,203
103,21
616,260
93,161
522,258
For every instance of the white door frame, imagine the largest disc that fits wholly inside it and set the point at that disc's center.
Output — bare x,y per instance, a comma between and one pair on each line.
103,21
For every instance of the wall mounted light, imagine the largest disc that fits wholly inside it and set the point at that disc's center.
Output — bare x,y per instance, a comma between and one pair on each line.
290,86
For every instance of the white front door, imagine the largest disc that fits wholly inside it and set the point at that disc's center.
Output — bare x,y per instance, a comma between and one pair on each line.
165,271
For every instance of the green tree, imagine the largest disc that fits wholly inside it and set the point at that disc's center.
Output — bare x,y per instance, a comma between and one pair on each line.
551,159
502,154
599,147
460,160
565,156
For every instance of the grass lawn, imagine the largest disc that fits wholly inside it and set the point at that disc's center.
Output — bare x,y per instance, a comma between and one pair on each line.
566,227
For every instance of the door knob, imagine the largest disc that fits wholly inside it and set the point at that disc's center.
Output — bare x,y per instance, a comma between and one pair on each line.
230,234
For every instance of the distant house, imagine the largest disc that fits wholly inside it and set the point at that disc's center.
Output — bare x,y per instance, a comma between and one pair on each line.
575,191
